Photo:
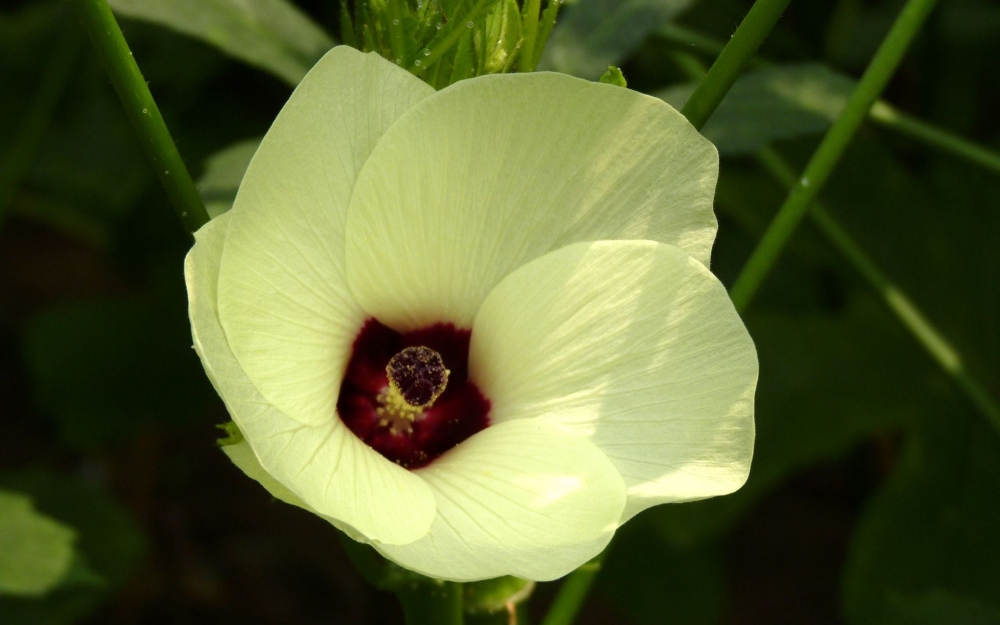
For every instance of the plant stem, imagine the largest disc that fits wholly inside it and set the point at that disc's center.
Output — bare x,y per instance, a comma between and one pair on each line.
826,157
30,132
438,604
142,111
530,14
732,60
545,25
881,112
397,39
939,348
887,115
573,592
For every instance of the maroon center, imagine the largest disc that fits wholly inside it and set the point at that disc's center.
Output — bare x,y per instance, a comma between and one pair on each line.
458,413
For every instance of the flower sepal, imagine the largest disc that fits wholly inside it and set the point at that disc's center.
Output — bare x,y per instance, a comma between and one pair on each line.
233,435
420,594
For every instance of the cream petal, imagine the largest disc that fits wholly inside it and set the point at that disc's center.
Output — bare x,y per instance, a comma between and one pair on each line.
493,172
243,457
635,345
283,298
524,498
324,466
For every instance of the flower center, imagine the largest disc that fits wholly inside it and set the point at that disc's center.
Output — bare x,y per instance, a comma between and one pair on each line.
408,395
417,377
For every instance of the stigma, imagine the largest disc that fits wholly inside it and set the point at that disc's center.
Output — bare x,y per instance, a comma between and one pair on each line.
408,396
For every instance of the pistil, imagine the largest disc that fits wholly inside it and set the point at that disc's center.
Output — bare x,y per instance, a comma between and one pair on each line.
417,377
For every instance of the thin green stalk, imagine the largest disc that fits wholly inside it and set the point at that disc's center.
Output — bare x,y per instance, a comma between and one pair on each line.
689,39
30,132
886,115
142,111
573,592
732,60
881,112
545,26
939,348
529,31
826,157
452,32
397,38
438,604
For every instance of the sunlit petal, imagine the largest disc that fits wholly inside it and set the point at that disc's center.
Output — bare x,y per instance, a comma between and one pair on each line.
635,345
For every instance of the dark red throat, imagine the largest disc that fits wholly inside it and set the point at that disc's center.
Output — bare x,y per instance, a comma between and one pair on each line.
457,414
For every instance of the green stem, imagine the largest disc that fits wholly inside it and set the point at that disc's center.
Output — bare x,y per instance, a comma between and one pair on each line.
397,38
573,592
437,604
545,26
826,157
881,112
939,348
30,132
886,115
732,60
142,111
529,31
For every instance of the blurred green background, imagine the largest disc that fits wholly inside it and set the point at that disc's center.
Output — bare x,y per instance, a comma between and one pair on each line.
875,491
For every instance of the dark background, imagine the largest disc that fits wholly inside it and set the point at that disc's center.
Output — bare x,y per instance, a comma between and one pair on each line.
875,492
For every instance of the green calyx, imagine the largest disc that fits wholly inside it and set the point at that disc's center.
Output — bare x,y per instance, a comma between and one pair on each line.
233,435
444,41
614,77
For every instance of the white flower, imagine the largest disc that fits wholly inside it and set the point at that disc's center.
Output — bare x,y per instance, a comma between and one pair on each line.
547,238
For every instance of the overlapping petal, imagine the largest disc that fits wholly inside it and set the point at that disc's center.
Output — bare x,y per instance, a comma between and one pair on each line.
524,498
493,172
284,302
325,466
635,345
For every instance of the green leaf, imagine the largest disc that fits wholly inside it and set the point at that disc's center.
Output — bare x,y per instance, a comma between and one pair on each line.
770,104
223,173
596,33
503,37
465,59
109,544
933,526
36,550
614,76
270,34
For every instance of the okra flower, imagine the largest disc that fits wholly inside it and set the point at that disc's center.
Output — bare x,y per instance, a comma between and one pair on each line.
475,328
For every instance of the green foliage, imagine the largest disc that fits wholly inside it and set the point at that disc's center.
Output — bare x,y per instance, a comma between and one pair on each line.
37,550
270,34
444,41
771,104
109,544
932,528
223,173
500,41
598,33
